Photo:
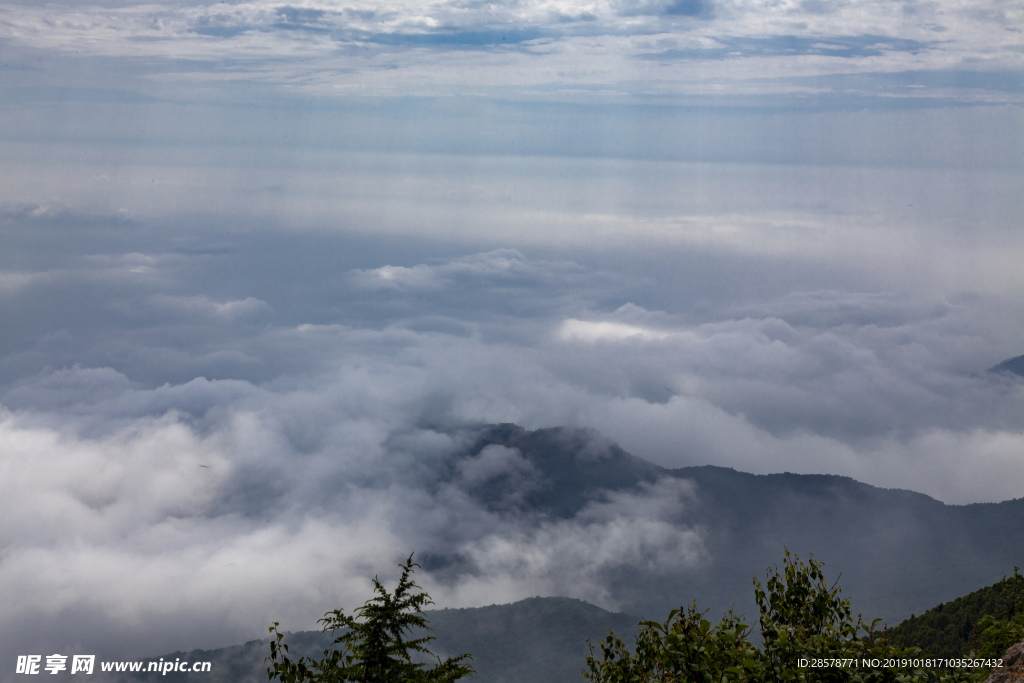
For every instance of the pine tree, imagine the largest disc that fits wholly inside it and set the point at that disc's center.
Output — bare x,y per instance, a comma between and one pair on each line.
374,644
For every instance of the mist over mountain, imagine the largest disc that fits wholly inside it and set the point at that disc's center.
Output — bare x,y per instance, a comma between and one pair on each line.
648,539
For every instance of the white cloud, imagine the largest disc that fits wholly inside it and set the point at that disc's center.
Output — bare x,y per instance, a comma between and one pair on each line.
15,281
595,331
202,305
503,264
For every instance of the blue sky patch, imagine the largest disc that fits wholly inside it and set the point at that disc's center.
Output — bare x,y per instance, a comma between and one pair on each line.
300,19
787,45
220,31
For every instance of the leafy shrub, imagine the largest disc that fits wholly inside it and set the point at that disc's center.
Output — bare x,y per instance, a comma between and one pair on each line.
685,648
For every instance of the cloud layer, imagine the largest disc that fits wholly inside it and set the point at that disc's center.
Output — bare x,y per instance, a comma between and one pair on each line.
184,437
566,49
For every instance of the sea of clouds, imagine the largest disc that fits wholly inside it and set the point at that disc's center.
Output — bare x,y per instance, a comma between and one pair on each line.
202,437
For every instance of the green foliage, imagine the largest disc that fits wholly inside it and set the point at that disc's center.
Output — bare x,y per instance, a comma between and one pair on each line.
799,597
803,621
955,628
685,648
998,635
375,643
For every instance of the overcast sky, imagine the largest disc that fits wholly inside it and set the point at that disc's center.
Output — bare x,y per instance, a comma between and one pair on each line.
254,254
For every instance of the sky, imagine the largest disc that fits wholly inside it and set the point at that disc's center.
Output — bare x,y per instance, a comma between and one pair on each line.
262,265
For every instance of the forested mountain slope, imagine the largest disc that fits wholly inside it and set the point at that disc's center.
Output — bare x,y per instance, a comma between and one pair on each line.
952,629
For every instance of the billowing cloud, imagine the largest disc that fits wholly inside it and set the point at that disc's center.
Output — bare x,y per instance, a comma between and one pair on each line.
587,331
177,520
635,531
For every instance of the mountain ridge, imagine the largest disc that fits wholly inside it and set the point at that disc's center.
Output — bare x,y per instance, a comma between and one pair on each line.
899,551
538,639
1013,365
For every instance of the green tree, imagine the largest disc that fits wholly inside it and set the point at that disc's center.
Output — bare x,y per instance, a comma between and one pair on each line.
807,634
374,644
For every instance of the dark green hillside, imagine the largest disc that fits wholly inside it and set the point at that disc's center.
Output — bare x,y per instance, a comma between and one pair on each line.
951,629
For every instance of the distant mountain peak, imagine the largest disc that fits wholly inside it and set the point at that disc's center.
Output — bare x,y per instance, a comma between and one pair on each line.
1013,366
